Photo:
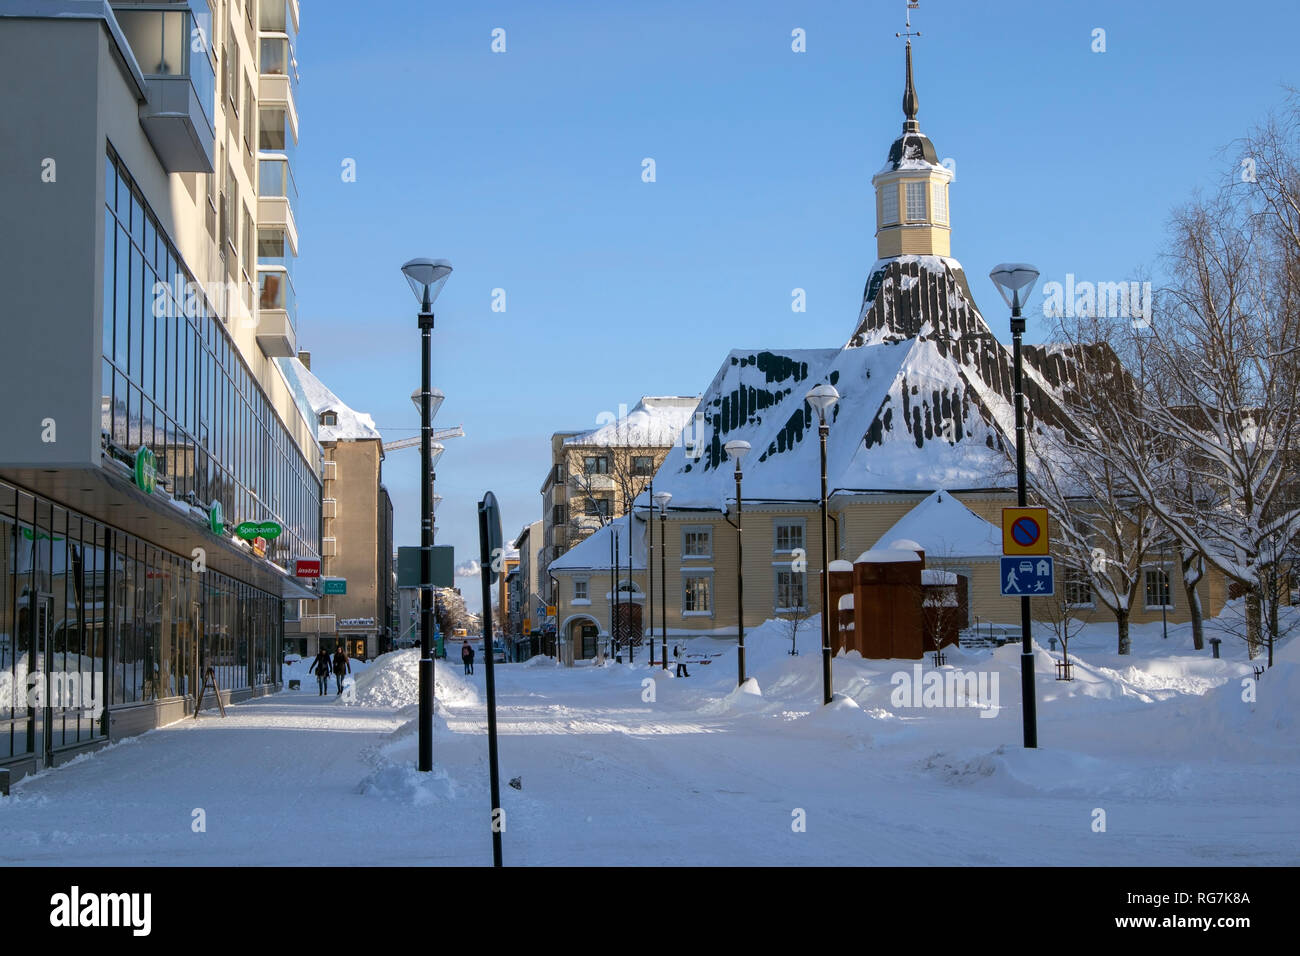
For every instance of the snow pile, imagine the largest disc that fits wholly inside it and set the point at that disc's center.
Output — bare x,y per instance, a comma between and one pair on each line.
403,783
394,681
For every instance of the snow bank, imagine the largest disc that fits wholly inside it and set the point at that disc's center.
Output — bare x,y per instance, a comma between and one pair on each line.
394,681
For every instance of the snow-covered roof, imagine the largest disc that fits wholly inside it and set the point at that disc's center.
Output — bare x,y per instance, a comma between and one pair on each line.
594,553
656,420
926,402
943,527
351,424
887,556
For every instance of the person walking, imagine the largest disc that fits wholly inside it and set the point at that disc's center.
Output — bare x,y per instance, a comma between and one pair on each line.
467,657
680,653
341,666
321,668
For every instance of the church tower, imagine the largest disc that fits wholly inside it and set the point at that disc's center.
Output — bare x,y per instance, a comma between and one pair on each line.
912,190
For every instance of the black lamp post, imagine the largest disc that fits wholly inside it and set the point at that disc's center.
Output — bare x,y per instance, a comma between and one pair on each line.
1015,280
823,398
426,277
737,450
650,565
662,499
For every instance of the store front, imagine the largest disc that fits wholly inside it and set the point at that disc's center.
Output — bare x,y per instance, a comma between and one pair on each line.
104,634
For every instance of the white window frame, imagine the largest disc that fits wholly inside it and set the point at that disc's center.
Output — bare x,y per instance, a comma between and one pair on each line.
697,529
1146,591
778,524
939,201
689,574
889,204
583,597
1078,577
779,570
910,189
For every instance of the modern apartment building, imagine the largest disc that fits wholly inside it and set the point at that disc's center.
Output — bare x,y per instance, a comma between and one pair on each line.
146,419
596,474
358,603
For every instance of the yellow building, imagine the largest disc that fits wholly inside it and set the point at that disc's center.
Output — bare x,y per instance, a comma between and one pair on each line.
918,448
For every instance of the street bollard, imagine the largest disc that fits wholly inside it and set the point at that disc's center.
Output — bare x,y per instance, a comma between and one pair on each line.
1214,646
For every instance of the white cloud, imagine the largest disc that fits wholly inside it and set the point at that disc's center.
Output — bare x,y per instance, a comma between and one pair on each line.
468,569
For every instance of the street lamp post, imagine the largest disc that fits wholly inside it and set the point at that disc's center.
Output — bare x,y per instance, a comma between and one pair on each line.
823,398
426,277
662,499
650,565
737,450
1015,280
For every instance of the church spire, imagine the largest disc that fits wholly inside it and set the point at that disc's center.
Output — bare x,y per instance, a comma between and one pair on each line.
910,101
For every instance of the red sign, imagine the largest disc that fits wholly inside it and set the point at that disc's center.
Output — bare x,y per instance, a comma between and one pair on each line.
306,569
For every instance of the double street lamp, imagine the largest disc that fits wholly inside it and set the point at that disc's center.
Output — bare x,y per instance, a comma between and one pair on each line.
1015,280
823,398
737,450
661,499
426,277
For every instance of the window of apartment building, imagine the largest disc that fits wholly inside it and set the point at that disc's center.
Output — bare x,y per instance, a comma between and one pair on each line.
250,246
643,465
557,514
596,464
1158,594
789,590
230,58
697,542
599,506
250,118
329,418
580,590
212,189
1077,588
889,204
787,534
915,202
697,593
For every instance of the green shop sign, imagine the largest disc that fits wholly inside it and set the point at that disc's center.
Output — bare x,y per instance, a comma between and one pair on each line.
334,585
216,520
146,469
248,530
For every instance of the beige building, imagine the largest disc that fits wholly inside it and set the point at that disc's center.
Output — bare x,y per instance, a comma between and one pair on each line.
356,532
596,474
159,160
918,450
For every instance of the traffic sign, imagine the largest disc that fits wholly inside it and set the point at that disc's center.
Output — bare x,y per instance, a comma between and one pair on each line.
1028,577
1024,531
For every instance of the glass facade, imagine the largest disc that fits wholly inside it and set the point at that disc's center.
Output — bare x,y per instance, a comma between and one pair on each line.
93,618
174,381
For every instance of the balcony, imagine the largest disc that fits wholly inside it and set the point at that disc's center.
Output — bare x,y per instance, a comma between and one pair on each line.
277,314
276,197
180,86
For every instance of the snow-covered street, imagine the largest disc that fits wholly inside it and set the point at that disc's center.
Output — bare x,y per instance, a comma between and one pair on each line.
614,770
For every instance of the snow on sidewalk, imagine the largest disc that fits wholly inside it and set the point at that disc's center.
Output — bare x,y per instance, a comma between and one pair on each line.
629,765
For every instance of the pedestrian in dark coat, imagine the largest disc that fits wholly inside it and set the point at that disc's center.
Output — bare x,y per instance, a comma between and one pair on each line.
321,668
342,665
467,657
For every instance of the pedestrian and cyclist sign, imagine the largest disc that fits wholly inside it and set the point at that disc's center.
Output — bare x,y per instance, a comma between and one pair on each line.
1024,531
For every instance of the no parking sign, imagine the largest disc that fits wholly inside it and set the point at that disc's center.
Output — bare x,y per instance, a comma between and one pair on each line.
1024,531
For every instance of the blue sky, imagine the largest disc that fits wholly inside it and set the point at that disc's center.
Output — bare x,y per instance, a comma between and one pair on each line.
524,169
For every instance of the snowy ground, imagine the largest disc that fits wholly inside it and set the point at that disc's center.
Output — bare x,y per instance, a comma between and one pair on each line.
1186,772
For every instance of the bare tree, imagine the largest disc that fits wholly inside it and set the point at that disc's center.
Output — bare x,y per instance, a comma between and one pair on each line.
1062,619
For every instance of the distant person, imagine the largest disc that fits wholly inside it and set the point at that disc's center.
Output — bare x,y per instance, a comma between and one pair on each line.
467,657
341,666
321,668
680,654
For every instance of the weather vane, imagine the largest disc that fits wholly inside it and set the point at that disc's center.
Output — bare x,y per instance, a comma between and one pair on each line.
911,5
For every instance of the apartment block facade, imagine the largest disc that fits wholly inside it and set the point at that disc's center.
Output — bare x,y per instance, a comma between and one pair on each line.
147,419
